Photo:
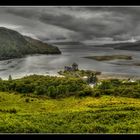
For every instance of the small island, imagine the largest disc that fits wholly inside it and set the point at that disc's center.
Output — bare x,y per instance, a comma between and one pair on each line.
74,71
87,76
109,57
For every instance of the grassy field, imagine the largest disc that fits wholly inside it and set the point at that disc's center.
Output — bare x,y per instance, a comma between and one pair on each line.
38,114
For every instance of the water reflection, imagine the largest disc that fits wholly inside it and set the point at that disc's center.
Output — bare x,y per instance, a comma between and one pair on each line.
50,64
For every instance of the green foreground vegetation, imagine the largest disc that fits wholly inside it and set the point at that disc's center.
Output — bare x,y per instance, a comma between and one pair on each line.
44,104
109,57
107,114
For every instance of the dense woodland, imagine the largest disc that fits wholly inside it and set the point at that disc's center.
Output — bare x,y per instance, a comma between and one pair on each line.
56,87
44,85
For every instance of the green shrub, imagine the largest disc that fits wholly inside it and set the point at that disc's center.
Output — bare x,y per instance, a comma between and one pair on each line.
27,100
98,129
52,92
115,82
40,90
81,94
97,94
105,85
13,110
109,91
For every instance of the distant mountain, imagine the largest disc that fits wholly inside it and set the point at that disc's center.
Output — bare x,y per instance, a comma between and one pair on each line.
68,43
134,46
15,45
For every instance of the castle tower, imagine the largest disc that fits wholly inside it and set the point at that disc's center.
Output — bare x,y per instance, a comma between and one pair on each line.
74,66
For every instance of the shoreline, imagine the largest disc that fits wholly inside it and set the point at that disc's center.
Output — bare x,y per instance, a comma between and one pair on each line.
103,76
117,76
14,77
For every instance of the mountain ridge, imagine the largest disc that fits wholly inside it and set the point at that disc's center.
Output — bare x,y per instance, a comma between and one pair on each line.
133,46
15,45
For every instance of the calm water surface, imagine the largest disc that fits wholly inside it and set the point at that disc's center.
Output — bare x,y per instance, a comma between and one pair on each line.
50,64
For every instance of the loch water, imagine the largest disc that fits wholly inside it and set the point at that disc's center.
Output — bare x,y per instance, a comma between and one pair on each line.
51,64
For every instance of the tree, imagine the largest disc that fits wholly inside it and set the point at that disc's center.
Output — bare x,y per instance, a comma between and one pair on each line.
10,78
87,91
115,82
92,78
40,90
105,85
52,92
61,89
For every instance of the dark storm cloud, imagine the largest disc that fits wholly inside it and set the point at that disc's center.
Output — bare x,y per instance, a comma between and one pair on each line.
90,27
79,23
23,13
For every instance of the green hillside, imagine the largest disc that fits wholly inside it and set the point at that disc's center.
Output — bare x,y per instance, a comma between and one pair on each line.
45,104
42,47
107,114
15,45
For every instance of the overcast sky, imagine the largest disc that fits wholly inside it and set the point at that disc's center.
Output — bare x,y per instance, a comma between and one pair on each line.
73,23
